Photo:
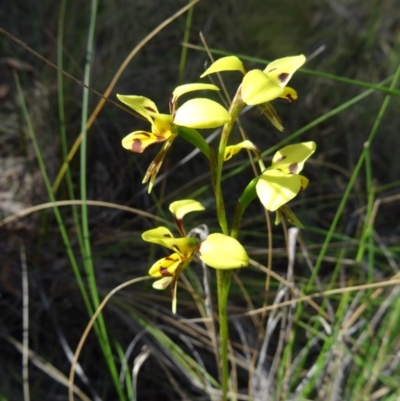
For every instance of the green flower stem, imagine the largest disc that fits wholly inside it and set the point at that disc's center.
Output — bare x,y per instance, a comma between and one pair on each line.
186,35
224,276
223,284
234,110
63,133
237,217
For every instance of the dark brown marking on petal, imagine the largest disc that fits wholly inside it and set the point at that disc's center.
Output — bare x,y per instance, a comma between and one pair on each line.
167,235
165,273
137,146
165,285
289,98
280,159
150,109
283,77
176,247
293,168
172,259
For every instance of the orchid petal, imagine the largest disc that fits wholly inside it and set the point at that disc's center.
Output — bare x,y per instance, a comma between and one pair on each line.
140,104
155,165
257,88
182,89
161,123
232,150
290,216
201,113
229,63
163,283
166,266
291,159
138,141
304,182
289,94
269,111
174,295
281,70
222,252
275,188
180,208
157,234
162,236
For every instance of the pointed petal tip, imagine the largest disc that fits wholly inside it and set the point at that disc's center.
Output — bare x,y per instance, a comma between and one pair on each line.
182,207
228,63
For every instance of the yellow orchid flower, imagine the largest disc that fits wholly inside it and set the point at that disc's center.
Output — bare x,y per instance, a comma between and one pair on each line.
281,182
217,250
223,252
196,113
260,87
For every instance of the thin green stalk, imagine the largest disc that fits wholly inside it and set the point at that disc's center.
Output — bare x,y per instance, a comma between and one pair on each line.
87,256
353,177
224,276
61,115
50,194
368,223
234,110
223,285
186,34
128,377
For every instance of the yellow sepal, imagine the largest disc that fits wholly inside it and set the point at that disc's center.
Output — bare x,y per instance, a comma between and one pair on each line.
289,94
257,88
228,63
269,112
290,216
232,150
166,266
201,113
162,123
138,141
156,164
182,207
222,252
140,104
162,236
275,188
281,70
291,158
182,89
162,284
